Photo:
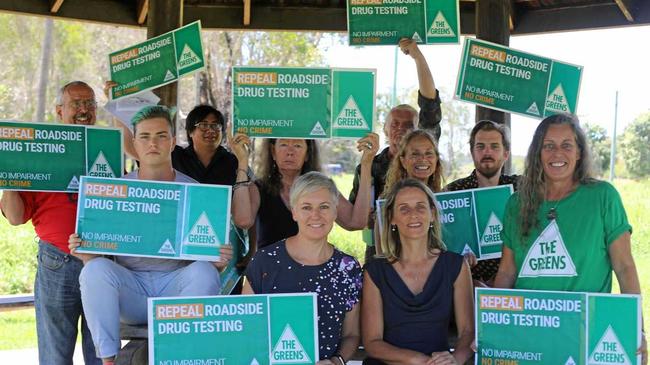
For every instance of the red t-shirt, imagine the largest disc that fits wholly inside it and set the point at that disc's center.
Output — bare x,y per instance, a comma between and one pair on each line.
53,215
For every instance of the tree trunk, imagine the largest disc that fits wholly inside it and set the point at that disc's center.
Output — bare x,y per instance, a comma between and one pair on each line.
46,61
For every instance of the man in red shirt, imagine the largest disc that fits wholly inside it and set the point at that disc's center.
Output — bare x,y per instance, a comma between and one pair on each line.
57,299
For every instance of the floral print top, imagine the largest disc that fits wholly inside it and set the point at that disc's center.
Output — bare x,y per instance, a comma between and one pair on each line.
337,283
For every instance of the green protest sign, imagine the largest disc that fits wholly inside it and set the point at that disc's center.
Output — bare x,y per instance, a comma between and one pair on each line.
242,329
506,79
303,102
114,217
385,22
472,220
52,157
545,327
157,61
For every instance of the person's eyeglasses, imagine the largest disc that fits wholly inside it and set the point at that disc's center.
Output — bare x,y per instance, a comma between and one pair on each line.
88,104
203,126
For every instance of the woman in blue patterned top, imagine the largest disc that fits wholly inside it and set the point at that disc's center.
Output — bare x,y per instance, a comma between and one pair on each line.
307,262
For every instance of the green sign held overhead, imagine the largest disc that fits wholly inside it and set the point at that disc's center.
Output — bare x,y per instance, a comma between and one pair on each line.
544,327
385,22
114,216
505,79
303,102
243,329
52,157
157,61
471,219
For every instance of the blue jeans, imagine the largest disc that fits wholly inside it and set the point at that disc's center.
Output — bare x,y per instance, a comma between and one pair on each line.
111,292
57,300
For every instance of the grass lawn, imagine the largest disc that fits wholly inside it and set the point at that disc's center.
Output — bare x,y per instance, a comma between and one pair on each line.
18,263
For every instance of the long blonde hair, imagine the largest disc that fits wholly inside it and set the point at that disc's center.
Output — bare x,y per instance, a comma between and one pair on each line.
391,244
397,172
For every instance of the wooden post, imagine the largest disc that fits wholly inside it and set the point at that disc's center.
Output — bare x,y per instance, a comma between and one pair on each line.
493,25
162,17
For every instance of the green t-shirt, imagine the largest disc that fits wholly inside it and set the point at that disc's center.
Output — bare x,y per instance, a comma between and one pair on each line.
570,252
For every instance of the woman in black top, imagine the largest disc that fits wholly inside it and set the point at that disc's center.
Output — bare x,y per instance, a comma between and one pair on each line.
265,203
205,160
410,291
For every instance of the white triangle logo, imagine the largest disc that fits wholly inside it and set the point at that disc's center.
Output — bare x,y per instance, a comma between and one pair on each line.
350,116
467,250
188,58
288,349
202,233
609,350
416,37
533,109
492,233
254,362
548,256
73,184
100,167
440,27
169,76
556,101
167,248
570,361
317,130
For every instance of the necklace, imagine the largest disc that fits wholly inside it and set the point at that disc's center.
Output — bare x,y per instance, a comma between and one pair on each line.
552,213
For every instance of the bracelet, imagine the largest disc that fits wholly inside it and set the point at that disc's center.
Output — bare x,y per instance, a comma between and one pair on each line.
340,358
241,184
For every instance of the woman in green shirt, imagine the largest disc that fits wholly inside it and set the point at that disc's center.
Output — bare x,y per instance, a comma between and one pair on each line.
563,229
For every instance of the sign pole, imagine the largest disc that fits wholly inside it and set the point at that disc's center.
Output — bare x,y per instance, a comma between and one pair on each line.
612,154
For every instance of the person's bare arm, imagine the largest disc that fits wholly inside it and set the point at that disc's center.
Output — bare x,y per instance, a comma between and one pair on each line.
13,207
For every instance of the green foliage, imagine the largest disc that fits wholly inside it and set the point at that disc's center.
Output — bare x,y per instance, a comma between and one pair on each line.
600,145
635,146
18,328
17,258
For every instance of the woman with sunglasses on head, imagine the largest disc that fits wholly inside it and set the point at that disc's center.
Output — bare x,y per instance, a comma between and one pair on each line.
411,291
265,203
205,159
417,158
564,230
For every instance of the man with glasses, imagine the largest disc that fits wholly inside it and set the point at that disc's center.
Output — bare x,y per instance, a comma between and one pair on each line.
57,298
400,120
489,144
205,159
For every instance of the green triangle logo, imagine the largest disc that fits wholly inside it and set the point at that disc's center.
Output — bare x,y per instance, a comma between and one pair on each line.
548,256
188,58
556,101
289,350
202,233
609,350
440,27
350,116
101,167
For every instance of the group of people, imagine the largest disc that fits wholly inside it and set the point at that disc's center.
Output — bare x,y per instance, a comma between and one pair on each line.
411,288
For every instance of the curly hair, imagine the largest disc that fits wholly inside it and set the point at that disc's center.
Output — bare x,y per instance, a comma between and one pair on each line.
532,186
269,176
397,171
391,244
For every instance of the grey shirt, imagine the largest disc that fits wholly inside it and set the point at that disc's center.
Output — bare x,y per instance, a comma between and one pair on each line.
147,263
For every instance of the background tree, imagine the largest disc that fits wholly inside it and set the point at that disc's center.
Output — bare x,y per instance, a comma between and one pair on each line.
635,146
600,145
